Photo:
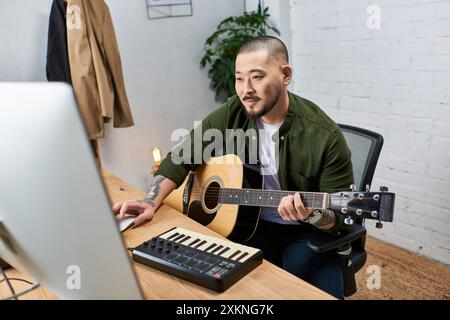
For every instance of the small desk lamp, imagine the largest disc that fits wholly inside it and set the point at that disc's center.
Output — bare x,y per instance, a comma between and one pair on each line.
156,159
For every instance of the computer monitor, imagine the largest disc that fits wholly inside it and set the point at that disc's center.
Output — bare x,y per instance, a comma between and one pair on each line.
56,222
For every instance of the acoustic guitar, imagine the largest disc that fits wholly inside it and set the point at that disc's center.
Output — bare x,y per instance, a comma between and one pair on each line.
226,196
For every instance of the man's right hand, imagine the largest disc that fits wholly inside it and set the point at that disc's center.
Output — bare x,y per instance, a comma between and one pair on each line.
159,189
142,209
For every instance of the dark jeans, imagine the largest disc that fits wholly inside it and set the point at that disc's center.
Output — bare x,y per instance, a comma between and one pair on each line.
286,246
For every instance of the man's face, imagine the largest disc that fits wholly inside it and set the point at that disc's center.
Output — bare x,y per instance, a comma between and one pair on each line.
259,82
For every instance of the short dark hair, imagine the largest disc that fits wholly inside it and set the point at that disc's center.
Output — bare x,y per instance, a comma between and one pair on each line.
272,44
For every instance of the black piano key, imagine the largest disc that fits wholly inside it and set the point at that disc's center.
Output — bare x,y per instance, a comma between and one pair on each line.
193,242
211,246
242,256
173,235
178,237
234,254
200,244
223,251
216,248
183,240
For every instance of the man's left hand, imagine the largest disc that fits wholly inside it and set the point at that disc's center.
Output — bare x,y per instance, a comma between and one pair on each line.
291,208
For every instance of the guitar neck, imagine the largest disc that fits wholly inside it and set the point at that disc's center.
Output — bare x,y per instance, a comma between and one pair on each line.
271,198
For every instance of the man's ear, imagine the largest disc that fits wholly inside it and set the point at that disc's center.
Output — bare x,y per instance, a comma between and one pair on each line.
287,74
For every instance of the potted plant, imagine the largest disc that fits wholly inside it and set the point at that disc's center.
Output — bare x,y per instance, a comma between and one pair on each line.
222,47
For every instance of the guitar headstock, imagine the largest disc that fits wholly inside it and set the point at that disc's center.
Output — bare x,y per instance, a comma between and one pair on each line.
368,205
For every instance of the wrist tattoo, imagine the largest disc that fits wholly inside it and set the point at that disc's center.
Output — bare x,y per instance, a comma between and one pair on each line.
154,189
327,218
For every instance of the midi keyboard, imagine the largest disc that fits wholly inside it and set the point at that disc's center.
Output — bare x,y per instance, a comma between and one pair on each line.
208,261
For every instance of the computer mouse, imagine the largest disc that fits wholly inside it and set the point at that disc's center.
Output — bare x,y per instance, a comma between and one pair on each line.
126,223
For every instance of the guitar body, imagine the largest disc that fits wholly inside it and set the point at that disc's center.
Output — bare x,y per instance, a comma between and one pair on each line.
200,200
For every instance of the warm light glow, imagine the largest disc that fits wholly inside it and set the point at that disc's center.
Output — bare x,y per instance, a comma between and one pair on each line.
156,154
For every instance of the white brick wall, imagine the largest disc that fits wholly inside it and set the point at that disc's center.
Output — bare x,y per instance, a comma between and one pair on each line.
394,80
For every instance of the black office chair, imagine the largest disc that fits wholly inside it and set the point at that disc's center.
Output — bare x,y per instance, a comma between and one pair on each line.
365,147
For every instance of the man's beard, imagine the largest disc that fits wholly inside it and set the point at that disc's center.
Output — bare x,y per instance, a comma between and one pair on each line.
267,107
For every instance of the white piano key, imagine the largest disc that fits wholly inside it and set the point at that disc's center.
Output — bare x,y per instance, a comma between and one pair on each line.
204,246
210,247
178,238
168,234
209,240
193,242
238,254
216,249
229,253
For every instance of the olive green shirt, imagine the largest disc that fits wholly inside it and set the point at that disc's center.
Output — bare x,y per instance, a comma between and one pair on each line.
313,154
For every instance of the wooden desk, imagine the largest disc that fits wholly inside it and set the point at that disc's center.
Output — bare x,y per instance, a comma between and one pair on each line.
267,281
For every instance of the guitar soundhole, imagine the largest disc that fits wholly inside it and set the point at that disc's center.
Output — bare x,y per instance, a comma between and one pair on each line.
212,195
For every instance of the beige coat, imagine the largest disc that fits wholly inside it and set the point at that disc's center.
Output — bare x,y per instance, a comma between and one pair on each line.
95,66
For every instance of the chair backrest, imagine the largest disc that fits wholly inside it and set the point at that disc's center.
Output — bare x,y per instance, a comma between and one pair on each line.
365,146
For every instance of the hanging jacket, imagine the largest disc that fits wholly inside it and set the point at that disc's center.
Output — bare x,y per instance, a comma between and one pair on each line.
96,68
58,68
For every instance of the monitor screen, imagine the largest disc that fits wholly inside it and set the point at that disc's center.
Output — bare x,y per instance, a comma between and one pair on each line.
56,222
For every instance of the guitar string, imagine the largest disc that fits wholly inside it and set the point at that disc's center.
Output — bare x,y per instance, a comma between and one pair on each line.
214,190
304,199
307,200
209,196
215,193
349,208
275,206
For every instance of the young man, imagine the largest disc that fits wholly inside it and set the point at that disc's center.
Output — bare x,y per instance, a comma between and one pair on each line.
300,148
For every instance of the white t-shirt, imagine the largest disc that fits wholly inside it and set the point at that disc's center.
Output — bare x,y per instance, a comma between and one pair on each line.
269,166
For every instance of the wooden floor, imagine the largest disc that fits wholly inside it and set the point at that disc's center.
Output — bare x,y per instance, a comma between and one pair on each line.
404,275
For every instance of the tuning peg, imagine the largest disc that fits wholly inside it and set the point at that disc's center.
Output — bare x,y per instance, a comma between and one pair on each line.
379,225
348,221
353,187
384,189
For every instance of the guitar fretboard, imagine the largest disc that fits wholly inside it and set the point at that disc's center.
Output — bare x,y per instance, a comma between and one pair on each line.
270,198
